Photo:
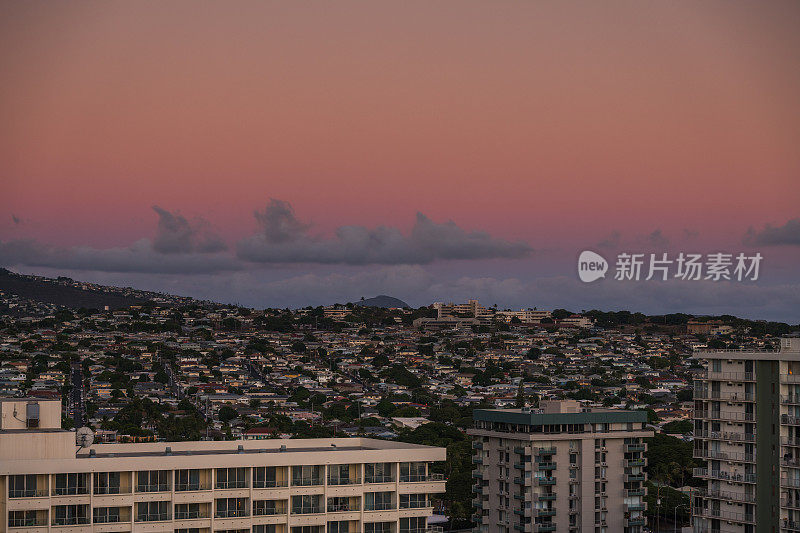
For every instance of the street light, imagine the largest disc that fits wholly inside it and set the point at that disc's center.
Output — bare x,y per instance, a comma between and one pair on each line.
675,516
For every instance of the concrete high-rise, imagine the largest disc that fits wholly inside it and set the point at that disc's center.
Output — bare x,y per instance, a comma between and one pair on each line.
559,468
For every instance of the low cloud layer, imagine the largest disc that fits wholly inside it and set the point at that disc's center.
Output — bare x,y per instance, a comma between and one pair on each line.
283,238
188,246
788,234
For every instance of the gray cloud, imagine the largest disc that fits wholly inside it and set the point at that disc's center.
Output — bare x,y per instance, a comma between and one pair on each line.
139,257
788,234
285,239
176,235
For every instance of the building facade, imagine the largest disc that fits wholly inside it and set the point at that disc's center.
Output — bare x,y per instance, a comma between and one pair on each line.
747,430
340,485
559,468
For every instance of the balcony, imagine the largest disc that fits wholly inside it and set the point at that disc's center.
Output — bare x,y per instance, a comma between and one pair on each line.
544,481
270,484
788,420
522,450
155,487
634,477
723,475
236,484
156,517
728,376
27,522
546,466
191,487
477,460
270,511
641,447
27,493
635,462
725,456
792,483
724,515
70,491
791,399
71,521
382,479
636,506
727,396
790,378
190,515
421,478
790,525
731,436
545,512
639,521
232,513
544,527
733,416
477,445
790,504
636,492
546,497
308,509
544,451
378,506
728,496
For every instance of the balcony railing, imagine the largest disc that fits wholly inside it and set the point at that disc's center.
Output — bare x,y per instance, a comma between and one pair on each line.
106,490
546,466
727,396
338,481
27,493
791,525
71,521
728,376
154,487
733,436
724,476
189,487
725,456
268,511
414,504
790,504
306,481
106,519
641,447
232,513
236,484
155,517
307,509
389,506
189,515
545,480
343,507
725,415
790,378
790,420
26,522
379,479
70,491
727,495
791,482
270,484
725,515
421,478
791,399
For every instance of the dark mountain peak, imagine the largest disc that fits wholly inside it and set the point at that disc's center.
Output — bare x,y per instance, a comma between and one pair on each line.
382,300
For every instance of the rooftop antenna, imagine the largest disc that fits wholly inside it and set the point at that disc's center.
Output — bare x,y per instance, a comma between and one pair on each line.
84,438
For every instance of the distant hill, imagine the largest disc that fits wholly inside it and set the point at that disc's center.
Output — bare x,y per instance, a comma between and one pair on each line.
382,301
64,292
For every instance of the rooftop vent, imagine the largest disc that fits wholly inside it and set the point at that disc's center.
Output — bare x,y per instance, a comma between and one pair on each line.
240,449
283,447
92,453
168,451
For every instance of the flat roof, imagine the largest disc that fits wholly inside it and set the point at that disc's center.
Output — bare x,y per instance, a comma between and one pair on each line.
537,418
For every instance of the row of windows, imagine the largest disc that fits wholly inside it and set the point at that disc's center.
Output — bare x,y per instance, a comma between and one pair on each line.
70,515
224,508
26,486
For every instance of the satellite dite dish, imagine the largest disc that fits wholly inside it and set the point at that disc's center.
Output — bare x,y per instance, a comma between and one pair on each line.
84,437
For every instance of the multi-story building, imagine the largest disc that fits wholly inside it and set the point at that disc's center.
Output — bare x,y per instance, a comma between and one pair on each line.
559,468
747,430
337,485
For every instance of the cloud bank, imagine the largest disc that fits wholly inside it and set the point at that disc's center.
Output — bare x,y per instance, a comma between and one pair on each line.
282,238
788,234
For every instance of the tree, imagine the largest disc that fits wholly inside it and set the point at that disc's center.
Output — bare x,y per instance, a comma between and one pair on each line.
520,401
227,413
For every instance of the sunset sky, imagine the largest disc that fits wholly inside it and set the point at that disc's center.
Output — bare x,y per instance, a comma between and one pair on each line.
303,153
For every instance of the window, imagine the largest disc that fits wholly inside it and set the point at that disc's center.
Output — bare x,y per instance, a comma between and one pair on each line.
340,475
342,526
70,515
412,525
24,519
106,482
152,481
105,515
338,504
23,486
308,529
305,475
307,504
413,472
186,480
67,484
378,501
413,501
265,477
378,473
231,478
268,528
378,527
269,507
152,511
232,507
32,415
185,511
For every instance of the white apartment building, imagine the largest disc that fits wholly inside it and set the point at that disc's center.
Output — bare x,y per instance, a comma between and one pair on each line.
559,468
747,430
338,485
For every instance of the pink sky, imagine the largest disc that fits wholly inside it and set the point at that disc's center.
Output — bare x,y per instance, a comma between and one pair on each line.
547,122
